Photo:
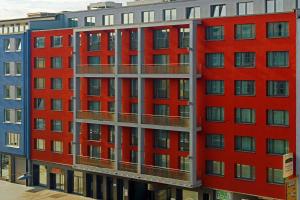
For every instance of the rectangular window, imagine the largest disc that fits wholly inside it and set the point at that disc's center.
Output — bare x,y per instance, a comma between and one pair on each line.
94,105
127,18
278,117
161,160
214,60
215,141
56,125
57,146
184,111
133,157
13,140
111,106
161,88
184,59
218,10
73,22
39,83
94,60
245,8
56,84
89,21
18,69
133,87
111,41
275,176
245,172
244,88
161,59
56,104
148,16
245,59
39,103
134,137
7,45
111,154
134,108
215,114
161,139
184,163
215,87
161,39
216,168
160,109
278,59
193,13
278,88
93,87
245,31
278,29
39,42
39,124
56,41
56,62
245,116
108,20
94,132
169,14
71,83
18,116
184,89
18,44
274,6
94,152
184,38
39,63
215,33
133,40
111,134
184,141
40,144
94,41
245,144
277,147
111,89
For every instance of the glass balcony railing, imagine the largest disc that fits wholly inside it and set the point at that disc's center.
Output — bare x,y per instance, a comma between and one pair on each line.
177,68
96,162
166,172
163,120
95,115
96,69
128,167
128,117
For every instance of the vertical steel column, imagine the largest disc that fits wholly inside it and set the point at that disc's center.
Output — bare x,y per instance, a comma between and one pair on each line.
192,99
141,132
118,94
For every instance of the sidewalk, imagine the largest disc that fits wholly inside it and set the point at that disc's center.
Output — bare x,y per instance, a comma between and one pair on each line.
11,191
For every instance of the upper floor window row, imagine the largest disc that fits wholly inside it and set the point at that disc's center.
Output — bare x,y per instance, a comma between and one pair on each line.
13,28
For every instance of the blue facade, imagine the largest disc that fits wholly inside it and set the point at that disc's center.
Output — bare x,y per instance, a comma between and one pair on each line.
10,77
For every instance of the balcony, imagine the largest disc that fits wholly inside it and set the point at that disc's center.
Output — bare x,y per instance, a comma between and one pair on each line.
127,69
128,167
163,120
177,68
95,115
166,172
96,69
96,162
128,117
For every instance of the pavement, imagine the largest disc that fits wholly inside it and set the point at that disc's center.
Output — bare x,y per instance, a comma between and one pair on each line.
12,191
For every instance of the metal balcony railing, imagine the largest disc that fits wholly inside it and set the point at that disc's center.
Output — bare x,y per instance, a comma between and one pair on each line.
96,69
96,162
177,68
95,115
128,69
163,120
128,166
128,117
166,172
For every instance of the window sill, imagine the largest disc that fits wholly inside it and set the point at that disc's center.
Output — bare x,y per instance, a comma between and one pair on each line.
245,179
217,175
12,146
278,126
242,151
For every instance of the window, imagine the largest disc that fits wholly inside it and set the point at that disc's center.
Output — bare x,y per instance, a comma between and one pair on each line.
215,114
73,22
40,144
215,60
244,31
93,87
193,13
244,88
71,105
160,109
71,62
39,63
71,83
277,147
111,41
245,116
278,88
134,108
56,62
275,176
111,106
278,59
169,14
94,152
111,89
245,144
13,116
134,137
56,104
184,89
184,38
133,87
161,88
245,172
127,18
245,8
278,29
93,60
215,141
111,153
94,105
111,60
184,163
184,60
94,132
78,182
215,33
89,21
216,168
133,41
161,139
71,128
148,16
56,83
161,160
278,118
94,41
161,39
215,87
184,141
39,42
245,59
39,103
57,147
56,41
274,6
13,140
18,44
7,45
184,111
111,134
108,20
161,59
218,10
39,124
18,116
56,125
18,69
